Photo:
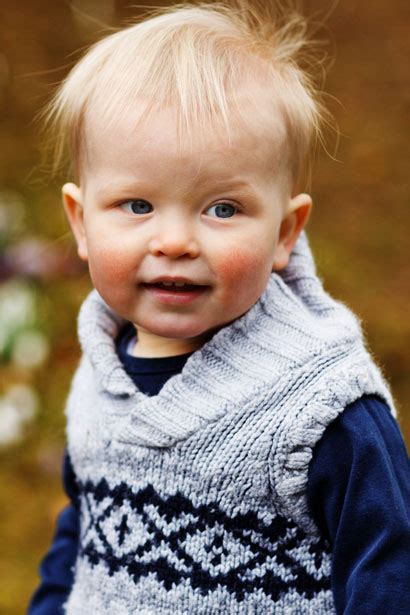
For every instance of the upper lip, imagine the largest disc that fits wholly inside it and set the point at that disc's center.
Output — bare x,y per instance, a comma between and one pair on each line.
173,279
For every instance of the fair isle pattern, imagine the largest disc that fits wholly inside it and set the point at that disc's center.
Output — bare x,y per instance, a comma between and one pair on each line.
200,545
194,500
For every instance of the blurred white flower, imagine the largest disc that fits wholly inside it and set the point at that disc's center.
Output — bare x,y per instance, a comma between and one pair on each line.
17,408
11,425
24,398
17,309
17,304
30,349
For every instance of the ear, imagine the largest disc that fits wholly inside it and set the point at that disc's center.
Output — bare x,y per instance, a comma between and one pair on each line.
74,209
291,226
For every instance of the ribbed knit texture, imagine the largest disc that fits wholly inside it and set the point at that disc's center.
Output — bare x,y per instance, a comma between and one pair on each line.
194,500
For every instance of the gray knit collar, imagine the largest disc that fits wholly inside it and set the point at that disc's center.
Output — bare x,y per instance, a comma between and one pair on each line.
292,321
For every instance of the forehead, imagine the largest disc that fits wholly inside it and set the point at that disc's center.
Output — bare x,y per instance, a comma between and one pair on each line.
138,137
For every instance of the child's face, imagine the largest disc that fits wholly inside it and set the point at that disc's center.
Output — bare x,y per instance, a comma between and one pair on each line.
217,216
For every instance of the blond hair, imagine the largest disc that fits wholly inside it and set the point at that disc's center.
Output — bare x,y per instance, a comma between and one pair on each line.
194,56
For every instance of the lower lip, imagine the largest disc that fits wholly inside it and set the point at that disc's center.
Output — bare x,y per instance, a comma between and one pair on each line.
174,297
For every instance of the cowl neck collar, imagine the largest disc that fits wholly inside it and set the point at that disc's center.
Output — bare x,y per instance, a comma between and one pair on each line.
293,320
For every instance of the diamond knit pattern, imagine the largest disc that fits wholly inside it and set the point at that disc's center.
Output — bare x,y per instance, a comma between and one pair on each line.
143,533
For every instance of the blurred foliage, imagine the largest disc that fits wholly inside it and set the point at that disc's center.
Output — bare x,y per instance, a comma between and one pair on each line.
358,232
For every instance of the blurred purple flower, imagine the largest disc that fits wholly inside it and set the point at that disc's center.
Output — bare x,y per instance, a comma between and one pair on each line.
36,258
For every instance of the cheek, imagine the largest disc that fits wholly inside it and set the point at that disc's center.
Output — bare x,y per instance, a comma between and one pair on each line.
108,264
245,270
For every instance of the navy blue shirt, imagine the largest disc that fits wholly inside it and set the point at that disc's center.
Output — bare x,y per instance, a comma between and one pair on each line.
358,493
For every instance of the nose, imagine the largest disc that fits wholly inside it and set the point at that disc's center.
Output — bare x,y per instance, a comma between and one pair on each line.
174,239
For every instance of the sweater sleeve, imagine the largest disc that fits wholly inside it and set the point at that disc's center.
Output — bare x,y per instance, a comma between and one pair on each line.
359,496
56,569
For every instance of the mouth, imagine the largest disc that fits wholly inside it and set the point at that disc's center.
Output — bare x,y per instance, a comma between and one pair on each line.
175,287
173,290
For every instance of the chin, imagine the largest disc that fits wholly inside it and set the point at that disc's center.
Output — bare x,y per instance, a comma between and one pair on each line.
175,330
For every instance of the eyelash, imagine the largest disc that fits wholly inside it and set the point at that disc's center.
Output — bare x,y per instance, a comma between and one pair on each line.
142,201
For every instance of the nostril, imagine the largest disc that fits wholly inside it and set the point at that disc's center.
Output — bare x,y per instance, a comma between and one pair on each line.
173,248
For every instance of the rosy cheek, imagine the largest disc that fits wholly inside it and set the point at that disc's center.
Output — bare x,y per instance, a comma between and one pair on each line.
106,264
243,266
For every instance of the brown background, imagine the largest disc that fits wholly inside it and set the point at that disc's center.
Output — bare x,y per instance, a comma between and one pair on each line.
358,231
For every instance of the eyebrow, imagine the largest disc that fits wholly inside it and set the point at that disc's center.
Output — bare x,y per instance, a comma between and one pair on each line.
130,189
120,189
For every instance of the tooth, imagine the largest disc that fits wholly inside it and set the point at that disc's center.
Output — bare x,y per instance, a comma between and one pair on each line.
179,283
167,283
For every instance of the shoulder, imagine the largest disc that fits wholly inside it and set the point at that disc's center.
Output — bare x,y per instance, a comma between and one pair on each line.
359,463
327,432
366,428
369,414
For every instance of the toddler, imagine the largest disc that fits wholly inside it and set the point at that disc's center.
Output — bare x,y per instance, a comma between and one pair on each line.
232,447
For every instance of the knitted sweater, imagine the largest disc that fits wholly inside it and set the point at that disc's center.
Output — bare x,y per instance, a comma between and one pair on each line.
194,500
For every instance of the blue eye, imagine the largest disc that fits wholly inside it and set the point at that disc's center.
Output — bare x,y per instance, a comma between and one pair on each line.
222,210
137,206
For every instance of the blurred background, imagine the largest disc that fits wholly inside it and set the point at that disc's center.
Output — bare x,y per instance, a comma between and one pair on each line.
359,234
